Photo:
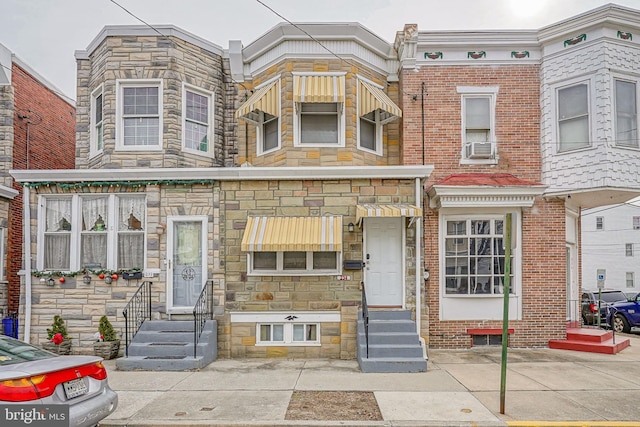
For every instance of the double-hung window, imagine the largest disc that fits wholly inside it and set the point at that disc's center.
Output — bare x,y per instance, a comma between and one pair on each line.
626,105
97,129
262,109
628,249
197,119
478,124
294,263
92,232
475,256
139,112
375,109
319,103
573,117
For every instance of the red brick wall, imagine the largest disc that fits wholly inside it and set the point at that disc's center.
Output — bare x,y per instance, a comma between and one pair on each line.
49,122
518,136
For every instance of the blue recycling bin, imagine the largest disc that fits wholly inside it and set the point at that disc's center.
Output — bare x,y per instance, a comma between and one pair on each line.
10,326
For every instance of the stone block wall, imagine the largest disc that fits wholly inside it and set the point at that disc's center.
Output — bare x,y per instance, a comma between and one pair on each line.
174,61
288,155
262,294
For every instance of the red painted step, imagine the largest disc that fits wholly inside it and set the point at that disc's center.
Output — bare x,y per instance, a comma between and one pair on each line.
591,340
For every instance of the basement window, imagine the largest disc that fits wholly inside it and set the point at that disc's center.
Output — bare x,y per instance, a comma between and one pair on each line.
302,334
486,340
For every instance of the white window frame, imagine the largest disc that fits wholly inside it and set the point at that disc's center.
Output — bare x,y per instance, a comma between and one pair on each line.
297,134
280,270
210,96
481,306
288,334
490,92
76,231
589,82
378,127
630,279
287,318
628,249
121,84
636,83
260,133
96,128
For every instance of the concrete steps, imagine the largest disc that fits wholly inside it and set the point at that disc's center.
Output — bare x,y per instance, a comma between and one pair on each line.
166,345
591,340
393,343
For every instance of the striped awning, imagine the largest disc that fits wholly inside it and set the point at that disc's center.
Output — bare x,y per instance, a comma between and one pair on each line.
370,210
318,88
372,99
284,233
260,106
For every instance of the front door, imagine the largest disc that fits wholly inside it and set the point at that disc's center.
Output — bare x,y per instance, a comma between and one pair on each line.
186,262
383,278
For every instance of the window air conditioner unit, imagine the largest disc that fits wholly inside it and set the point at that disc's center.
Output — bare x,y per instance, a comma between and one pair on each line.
479,150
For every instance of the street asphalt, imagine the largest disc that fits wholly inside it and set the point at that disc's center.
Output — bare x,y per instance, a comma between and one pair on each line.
545,387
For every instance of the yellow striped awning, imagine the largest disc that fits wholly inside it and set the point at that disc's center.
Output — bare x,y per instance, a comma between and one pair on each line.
372,99
299,234
318,88
260,106
387,211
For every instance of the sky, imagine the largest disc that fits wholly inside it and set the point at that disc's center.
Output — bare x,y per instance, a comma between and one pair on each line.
46,33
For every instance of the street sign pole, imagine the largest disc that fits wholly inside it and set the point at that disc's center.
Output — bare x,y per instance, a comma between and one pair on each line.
505,313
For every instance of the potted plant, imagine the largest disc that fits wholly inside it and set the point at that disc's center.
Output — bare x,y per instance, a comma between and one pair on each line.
59,341
107,344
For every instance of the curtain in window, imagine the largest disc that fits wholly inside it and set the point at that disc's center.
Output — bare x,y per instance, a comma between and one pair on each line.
93,250
57,251
131,212
58,217
94,214
130,250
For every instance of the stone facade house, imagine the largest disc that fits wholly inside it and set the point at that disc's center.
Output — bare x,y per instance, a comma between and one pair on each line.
37,132
286,176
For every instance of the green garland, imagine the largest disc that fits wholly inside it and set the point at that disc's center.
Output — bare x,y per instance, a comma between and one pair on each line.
82,272
71,185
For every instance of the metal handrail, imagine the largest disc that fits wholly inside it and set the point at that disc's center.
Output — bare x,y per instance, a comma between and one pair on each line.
139,306
365,317
202,311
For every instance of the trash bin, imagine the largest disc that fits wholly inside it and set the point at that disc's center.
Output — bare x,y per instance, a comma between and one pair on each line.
10,326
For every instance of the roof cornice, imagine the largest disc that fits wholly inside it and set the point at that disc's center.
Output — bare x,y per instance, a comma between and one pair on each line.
146,31
469,196
221,174
8,192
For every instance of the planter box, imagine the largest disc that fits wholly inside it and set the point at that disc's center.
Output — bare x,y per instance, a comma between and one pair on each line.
131,275
106,349
63,348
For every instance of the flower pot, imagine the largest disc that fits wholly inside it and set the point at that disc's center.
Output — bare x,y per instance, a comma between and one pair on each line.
106,349
63,348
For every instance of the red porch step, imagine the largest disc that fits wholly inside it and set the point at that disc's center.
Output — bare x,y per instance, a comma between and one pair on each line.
591,340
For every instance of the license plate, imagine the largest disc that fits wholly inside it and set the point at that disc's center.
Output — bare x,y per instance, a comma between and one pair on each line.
75,388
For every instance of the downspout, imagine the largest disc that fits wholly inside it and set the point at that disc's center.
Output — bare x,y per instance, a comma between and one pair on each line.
419,271
26,244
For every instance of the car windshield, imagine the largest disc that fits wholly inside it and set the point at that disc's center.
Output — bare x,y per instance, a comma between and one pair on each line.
13,351
613,296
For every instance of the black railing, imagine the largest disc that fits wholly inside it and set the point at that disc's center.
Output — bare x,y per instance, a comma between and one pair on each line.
137,310
202,311
365,317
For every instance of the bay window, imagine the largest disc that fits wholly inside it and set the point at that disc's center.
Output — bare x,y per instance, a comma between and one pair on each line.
139,115
573,117
475,257
92,232
626,106
196,120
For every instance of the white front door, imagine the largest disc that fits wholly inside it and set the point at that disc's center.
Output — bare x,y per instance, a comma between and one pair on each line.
186,262
383,278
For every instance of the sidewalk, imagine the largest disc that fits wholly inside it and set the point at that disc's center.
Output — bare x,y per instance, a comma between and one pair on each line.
460,388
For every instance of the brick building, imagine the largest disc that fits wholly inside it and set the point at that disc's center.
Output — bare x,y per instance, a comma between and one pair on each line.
288,178
37,131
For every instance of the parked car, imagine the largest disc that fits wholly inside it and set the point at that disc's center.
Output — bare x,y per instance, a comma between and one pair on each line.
625,315
590,304
30,375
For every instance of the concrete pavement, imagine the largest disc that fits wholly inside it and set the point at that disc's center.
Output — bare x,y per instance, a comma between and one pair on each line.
545,387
